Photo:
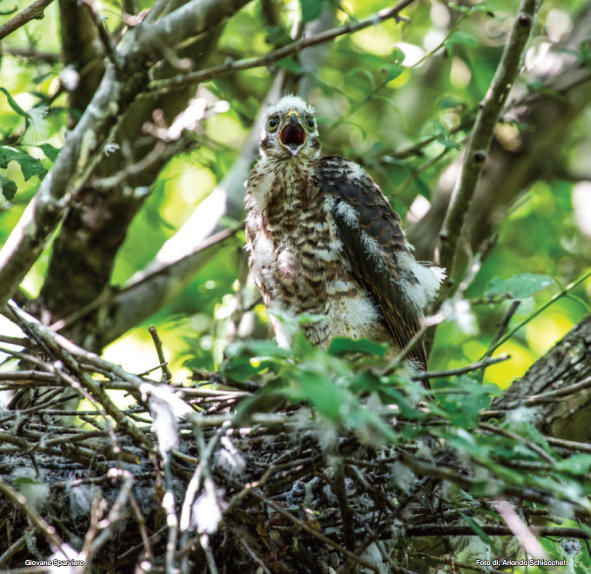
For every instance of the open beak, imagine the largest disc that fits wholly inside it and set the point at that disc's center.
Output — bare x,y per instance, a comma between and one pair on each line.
292,134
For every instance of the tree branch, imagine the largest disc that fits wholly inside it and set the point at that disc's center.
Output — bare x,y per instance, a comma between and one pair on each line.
493,530
83,149
31,12
84,252
148,292
564,366
187,21
21,502
478,147
285,51
548,112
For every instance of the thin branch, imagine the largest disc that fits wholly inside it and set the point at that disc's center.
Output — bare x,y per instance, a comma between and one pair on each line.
146,292
20,501
569,444
186,22
106,40
324,539
231,66
551,396
461,370
517,437
12,549
553,300
33,54
503,326
478,147
166,374
72,355
427,323
416,173
31,12
467,483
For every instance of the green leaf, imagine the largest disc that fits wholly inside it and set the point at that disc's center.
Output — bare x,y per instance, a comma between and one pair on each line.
21,481
444,136
458,38
519,286
307,318
240,369
577,464
256,349
290,64
364,381
464,400
41,78
311,9
8,188
368,82
423,187
449,102
463,38
12,103
49,151
30,166
392,396
342,346
397,55
276,36
529,432
249,358
268,399
392,71
327,397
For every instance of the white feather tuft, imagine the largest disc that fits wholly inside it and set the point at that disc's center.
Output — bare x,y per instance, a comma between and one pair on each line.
264,250
348,213
371,246
428,279
373,250
352,316
356,170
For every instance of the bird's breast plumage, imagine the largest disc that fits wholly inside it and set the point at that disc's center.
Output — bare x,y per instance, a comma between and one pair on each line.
297,256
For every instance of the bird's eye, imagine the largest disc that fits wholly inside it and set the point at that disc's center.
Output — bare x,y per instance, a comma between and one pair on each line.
310,122
272,124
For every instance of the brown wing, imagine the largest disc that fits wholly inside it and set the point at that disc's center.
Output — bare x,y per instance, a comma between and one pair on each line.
372,235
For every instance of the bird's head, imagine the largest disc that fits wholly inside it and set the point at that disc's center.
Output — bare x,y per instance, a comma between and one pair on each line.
290,130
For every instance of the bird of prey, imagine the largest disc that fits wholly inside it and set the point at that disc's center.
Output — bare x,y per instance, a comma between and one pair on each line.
324,240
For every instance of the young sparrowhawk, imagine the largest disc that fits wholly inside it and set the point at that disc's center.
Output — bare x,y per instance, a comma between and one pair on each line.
323,239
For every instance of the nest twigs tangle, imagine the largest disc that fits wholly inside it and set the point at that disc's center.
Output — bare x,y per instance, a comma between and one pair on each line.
183,478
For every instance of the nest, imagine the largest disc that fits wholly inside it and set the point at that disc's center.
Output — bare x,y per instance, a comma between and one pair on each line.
174,480
212,478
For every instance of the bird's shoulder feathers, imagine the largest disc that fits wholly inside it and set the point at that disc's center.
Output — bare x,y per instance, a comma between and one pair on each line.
372,235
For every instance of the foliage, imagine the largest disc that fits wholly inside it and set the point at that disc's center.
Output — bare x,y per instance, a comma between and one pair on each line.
400,99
